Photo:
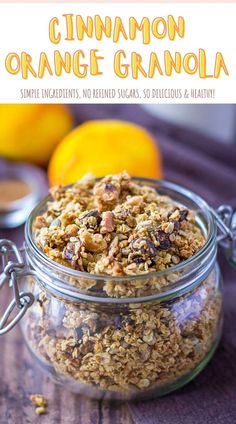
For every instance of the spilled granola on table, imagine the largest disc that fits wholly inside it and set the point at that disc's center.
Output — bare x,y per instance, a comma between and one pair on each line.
40,403
118,227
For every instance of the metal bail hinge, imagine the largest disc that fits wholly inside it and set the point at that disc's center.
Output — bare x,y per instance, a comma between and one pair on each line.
13,268
225,218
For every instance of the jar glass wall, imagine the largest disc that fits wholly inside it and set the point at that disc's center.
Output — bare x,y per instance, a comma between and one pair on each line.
126,351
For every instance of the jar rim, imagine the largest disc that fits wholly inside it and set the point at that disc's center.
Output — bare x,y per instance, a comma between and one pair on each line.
162,184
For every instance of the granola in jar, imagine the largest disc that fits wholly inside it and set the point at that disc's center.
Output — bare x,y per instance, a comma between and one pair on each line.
129,240
117,227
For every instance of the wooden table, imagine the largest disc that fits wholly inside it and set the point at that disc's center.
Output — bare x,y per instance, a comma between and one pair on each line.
20,376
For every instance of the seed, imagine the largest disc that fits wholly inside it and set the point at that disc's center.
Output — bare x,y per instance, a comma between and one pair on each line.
144,246
175,259
170,227
69,251
74,239
72,249
55,223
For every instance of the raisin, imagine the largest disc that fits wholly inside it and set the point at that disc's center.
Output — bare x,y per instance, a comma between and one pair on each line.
118,322
144,246
69,251
176,225
163,239
138,260
79,333
110,187
92,225
183,215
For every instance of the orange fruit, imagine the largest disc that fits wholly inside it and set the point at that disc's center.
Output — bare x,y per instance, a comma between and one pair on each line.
30,132
105,147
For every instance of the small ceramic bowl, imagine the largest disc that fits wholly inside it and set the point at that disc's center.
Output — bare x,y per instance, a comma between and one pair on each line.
34,186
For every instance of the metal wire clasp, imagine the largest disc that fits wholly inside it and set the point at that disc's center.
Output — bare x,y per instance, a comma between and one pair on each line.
225,218
12,270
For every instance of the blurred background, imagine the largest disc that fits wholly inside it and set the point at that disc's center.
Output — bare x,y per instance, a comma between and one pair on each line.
43,145
216,121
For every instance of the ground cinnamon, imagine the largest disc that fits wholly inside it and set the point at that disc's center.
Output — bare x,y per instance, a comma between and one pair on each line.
11,190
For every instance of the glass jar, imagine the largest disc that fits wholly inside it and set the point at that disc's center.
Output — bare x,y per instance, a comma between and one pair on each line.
132,337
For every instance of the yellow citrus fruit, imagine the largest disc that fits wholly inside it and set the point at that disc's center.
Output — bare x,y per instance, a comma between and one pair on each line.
31,132
104,147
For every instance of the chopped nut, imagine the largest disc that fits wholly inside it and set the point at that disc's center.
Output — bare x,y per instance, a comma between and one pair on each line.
94,243
106,192
107,225
40,222
72,250
57,192
71,231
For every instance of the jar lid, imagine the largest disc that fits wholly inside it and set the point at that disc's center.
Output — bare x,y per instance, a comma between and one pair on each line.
21,187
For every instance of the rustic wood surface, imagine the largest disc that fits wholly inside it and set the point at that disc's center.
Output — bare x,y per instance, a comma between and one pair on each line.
20,376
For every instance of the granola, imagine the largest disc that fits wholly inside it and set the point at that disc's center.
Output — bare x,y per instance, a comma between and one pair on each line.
138,347
40,403
117,227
